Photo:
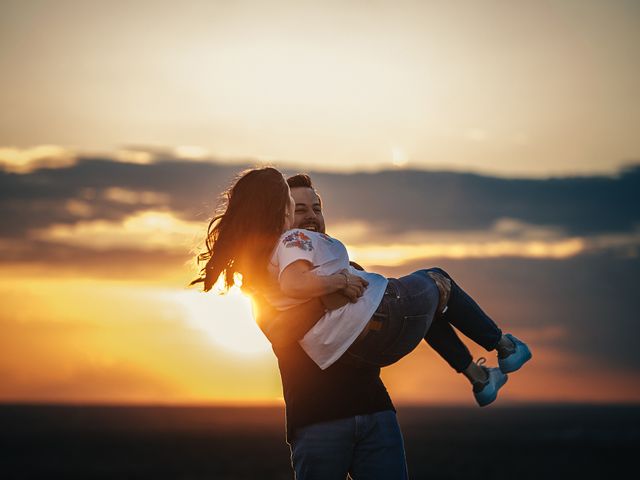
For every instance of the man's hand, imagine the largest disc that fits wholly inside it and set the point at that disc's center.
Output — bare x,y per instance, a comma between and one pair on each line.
355,286
444,287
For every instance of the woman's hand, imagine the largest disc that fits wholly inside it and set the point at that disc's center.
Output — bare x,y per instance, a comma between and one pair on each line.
444,288
355,286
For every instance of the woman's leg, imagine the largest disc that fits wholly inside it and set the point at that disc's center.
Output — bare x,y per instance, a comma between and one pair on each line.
443,339
405,314
467,316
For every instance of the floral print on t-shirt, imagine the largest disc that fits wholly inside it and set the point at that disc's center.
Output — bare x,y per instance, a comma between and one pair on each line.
298,239
326,237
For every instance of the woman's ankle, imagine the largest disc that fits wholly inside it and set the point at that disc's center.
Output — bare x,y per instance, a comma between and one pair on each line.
505,346
475,373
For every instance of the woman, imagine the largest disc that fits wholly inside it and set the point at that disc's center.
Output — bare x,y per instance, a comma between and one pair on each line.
385,319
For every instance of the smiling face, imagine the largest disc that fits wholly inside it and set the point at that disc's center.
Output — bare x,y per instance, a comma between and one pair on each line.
308,209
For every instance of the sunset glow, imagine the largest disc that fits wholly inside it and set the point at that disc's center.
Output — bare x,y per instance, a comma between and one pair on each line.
395,254
226,319
148,230
497,140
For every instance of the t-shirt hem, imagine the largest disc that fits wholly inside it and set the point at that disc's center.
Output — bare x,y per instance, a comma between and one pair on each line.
324,364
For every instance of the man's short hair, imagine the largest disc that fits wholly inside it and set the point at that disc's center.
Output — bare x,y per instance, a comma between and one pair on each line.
300,180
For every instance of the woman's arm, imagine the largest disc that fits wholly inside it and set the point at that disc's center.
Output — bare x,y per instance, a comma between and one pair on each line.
299,281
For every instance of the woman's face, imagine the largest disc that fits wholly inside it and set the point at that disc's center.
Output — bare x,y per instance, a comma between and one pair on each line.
289,212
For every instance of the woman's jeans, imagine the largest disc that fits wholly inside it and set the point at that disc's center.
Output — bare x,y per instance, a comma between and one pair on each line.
407,314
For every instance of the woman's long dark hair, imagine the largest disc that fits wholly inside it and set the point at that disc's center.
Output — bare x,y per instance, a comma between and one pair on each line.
241,239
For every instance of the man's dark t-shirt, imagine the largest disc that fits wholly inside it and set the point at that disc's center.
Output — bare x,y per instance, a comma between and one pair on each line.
313,395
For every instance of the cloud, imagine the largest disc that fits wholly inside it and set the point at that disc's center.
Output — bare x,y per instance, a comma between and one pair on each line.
131,197
140,157
78,208
394,254
38,259
400,201
505,238
97,189
155,230
552,260
400,215
586,305
27,160
192,152
145,230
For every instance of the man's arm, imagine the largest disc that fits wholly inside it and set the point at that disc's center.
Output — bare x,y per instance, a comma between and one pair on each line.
284,328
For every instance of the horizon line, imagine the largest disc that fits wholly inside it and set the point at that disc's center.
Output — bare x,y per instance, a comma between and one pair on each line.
280,404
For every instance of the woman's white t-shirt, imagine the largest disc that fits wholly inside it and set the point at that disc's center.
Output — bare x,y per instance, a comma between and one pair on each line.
334,333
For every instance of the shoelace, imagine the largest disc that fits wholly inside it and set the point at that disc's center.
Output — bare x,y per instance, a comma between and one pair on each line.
479,385
480,362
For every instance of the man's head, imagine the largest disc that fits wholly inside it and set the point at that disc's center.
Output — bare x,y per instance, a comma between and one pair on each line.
308,212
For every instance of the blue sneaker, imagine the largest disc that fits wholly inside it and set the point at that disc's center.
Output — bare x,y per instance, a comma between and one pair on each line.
512,361
487,391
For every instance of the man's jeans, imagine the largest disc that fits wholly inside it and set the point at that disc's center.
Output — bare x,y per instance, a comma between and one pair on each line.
367,447
407,315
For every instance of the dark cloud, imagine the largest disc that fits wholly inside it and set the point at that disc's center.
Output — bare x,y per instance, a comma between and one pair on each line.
592,298
390,201
402,200
118,263
39,199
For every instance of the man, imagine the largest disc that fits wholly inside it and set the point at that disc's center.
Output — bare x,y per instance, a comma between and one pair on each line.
340,420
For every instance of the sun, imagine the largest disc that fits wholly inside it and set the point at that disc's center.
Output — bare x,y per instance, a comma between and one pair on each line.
226,319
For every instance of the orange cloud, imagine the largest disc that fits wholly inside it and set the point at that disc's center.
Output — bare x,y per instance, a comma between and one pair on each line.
146,230
131,197
506,238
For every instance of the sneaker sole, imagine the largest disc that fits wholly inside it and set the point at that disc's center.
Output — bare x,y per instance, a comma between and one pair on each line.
489,399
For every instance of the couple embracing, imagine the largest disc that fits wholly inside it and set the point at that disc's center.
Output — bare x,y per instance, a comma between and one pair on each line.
333,326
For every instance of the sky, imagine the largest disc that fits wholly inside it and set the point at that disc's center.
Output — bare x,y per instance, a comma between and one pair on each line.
96,256
497,140
507,88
